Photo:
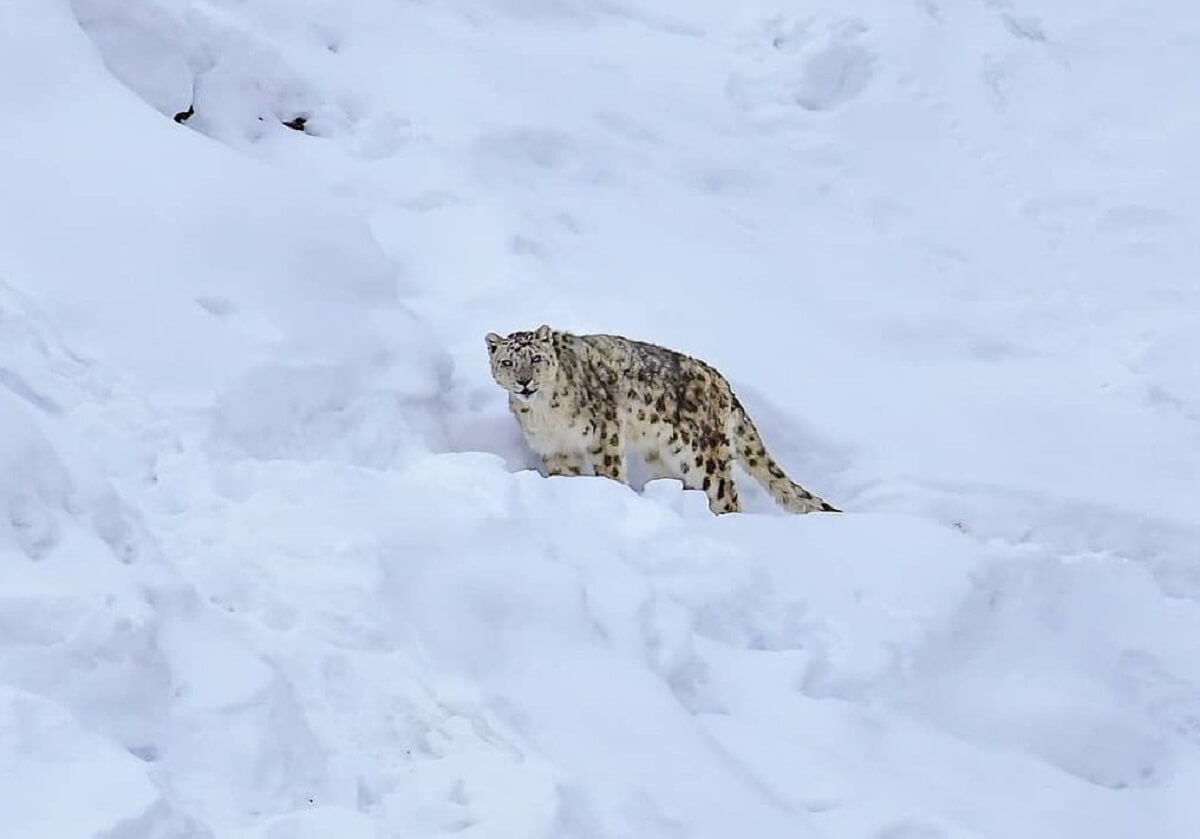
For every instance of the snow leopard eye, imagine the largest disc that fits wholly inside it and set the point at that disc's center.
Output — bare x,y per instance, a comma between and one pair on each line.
537,359
506,362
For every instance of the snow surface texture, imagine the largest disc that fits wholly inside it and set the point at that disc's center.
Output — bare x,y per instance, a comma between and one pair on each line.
272,561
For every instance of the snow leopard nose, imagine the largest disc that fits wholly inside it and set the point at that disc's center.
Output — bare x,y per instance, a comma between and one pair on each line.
523,381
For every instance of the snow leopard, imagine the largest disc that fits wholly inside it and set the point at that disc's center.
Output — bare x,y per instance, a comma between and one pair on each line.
587,402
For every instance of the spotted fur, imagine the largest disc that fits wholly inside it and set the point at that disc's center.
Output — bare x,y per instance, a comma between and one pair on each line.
585,402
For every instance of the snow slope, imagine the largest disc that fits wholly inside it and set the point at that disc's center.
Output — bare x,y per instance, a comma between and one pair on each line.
274,564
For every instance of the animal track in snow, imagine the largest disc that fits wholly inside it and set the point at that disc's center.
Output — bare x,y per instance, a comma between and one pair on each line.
818,65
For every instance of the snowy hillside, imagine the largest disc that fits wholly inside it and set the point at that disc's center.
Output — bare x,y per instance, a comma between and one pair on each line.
273,564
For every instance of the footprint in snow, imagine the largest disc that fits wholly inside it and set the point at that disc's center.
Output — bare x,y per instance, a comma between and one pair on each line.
816,64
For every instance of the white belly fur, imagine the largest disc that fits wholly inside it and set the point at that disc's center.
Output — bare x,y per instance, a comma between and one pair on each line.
551,431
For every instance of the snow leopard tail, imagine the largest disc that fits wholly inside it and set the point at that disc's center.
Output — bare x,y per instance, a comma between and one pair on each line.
752,453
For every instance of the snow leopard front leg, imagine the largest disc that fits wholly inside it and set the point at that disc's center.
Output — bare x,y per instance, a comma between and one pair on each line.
564,463
657,468
608,453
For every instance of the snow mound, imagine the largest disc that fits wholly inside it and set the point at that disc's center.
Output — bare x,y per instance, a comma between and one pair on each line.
99,789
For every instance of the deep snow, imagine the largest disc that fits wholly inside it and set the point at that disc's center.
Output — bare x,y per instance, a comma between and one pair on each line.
274,565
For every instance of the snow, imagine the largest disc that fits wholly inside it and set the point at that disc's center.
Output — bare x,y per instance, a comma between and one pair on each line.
274,563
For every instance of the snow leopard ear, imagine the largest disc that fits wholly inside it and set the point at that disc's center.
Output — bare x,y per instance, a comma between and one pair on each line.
493,342
543,333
